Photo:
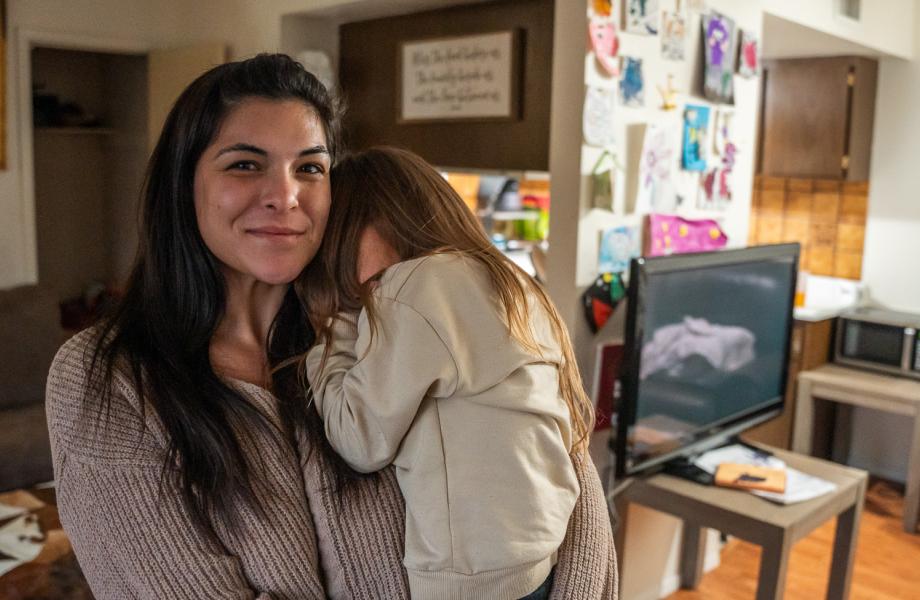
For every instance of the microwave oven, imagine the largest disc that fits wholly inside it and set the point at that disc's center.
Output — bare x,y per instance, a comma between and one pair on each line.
880,340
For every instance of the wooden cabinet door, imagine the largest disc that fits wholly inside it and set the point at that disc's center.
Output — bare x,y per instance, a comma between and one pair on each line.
805,106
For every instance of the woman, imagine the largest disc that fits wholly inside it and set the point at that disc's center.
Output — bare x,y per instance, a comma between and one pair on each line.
188,462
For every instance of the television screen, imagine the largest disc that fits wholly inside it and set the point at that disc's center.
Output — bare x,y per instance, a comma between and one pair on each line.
707,349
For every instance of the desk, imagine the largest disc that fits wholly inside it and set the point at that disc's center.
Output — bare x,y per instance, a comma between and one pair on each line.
772,526
870,390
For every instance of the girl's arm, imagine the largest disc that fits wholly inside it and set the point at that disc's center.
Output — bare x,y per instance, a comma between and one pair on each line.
369,390
587,566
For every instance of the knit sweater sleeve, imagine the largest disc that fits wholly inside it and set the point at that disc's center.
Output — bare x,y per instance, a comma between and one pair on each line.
587,567
371,386
133,538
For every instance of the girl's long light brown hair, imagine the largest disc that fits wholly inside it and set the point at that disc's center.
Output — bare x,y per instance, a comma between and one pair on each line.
418,213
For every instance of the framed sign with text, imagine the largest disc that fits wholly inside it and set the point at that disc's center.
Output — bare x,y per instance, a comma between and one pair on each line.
464,78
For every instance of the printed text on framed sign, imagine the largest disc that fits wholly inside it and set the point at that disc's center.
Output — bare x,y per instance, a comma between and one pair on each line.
472,77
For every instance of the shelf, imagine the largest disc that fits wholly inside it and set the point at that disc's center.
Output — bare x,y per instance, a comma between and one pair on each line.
525,245
513,215
77,130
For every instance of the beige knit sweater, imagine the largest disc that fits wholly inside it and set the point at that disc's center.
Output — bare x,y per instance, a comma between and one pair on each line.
134,540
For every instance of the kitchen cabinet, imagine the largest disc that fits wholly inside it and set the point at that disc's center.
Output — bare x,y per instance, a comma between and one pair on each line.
817,117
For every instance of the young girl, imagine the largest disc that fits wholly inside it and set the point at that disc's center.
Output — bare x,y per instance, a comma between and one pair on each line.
458,370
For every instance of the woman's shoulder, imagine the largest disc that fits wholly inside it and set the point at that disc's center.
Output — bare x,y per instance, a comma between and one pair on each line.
71,368
87,415
76,363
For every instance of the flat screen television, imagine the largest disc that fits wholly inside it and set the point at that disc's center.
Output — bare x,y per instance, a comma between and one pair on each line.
706,351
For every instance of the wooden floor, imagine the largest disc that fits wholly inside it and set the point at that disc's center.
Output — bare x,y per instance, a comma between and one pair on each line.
887,559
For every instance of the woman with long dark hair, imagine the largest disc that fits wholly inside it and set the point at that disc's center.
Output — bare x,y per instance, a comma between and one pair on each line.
189,462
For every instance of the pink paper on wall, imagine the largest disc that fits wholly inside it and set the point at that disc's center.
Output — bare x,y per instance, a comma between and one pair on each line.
606,45
670,234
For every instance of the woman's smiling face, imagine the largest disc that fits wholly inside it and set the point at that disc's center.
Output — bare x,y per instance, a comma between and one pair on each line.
262,190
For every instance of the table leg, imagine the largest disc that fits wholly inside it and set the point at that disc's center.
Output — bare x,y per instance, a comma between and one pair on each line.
692,554
804,416
912,495
774,560
843,432
845,538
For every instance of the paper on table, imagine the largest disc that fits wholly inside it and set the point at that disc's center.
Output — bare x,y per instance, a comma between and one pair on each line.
738,454
22,538
8,512
9,565
799,488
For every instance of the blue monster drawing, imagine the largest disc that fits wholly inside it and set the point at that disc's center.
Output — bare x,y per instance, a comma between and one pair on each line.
631,84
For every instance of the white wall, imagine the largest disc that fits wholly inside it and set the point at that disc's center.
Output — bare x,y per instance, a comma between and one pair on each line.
653,538
892,244
591,222
887,27
893,227
884,25
685,78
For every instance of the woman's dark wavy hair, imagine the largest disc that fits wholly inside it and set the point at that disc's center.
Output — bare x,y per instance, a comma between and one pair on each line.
160,332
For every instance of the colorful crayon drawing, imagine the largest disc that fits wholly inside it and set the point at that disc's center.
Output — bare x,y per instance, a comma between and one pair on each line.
602,181
748,55
602,8
670,234
601,298
606,45
716,189
719,63
641,16
659,157
618,246
632,85
673,35
696,125
597,117
716,184
724,130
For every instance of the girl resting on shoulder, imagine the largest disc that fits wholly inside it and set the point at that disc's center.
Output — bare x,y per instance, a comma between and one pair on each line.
458,371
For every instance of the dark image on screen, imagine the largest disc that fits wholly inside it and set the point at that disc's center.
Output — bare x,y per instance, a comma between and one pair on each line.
713,349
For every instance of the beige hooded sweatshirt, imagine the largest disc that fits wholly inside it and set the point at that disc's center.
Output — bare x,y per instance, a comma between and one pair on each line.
473,422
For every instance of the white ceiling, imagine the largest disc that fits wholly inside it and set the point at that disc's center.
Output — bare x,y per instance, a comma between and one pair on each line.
785,39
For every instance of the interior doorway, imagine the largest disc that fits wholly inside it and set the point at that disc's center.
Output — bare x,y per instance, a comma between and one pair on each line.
89,131
91,111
